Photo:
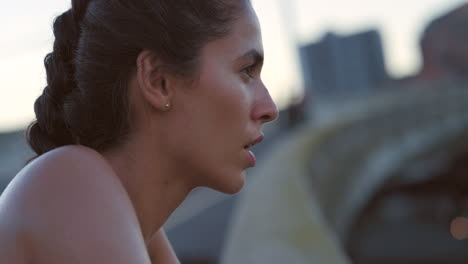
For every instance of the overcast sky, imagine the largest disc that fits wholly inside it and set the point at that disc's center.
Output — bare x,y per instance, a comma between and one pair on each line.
26,37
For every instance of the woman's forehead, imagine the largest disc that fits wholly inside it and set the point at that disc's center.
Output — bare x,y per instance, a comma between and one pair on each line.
244,39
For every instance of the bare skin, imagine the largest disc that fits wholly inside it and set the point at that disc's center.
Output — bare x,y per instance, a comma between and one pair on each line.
75,205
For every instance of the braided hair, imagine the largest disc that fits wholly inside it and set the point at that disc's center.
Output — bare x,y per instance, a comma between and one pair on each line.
51,129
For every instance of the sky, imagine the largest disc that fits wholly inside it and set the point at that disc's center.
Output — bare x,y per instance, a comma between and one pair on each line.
26,37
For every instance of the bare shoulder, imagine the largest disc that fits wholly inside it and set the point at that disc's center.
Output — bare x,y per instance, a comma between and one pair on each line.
71,208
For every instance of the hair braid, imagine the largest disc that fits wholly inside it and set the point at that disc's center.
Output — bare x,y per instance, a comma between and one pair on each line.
50,130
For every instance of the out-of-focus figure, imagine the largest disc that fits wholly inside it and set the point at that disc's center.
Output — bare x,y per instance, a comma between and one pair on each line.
444,48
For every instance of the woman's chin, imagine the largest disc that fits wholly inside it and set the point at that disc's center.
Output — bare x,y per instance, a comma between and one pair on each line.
233,185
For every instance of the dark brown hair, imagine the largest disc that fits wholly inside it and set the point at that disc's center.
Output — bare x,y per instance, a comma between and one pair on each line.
94,54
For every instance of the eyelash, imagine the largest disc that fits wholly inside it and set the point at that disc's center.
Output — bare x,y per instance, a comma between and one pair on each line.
249,69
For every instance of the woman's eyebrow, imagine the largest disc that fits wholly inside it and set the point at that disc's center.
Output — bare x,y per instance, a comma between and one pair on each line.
255,54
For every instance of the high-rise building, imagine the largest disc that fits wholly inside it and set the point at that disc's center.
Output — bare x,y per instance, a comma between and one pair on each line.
344,65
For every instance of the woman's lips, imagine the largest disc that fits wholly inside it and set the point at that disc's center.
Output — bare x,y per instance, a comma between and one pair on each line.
250,154
252,158
255,141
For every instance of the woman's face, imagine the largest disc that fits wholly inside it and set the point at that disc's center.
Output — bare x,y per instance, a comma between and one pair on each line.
224,110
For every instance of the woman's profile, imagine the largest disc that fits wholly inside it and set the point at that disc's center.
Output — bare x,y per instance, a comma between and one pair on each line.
145,101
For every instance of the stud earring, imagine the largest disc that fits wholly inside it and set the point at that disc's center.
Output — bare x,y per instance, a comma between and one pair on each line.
167,106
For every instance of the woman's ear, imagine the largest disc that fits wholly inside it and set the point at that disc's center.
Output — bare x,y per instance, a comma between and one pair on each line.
153,80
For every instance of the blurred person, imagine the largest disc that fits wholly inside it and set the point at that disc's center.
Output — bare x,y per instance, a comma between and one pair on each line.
145,101
444,48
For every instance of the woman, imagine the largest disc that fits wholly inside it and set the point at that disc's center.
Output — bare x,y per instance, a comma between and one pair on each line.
146,100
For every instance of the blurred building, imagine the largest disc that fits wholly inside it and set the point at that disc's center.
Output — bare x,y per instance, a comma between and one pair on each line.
344,65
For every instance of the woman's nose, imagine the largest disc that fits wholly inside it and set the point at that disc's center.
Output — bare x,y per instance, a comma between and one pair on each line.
265,109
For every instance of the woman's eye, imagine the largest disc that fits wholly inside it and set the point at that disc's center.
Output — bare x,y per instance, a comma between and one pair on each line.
249,70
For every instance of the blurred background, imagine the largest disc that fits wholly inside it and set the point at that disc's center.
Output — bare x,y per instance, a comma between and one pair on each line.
368,162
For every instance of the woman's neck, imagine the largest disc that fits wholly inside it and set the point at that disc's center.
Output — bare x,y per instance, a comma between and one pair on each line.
154,189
